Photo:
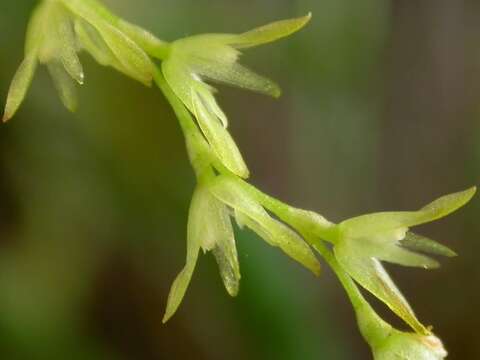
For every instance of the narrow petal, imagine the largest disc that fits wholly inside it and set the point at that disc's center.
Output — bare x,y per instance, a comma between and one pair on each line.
218,137
91,40
68,47
269,33
35,29
64,85
370,274
227,259
205,93
371,224
209,225
443,206
237,75
181,282
423,244
218,225
20,84
397,255
253,215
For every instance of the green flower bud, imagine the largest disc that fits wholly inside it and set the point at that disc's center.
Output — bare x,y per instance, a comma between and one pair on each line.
409,346
388,343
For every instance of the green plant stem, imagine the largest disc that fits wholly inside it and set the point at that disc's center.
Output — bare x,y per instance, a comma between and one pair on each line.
196,145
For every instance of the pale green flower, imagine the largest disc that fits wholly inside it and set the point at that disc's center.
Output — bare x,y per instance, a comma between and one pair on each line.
210,229
59,30
362,242
214,57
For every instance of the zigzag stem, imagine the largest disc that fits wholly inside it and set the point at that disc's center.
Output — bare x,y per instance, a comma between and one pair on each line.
203,163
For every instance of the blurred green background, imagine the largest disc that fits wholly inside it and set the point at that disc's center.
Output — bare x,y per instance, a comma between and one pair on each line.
380,111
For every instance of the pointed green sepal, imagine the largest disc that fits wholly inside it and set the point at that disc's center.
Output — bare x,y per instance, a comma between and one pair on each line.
270,32
371,224
371,275
425,245
19,86
209,221
64,84
194,243
210,229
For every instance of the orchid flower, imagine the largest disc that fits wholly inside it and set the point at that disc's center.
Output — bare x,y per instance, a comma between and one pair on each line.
196,60
59,30
364,241
210,229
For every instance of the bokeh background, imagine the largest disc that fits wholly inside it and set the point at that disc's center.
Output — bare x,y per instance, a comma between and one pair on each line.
381,111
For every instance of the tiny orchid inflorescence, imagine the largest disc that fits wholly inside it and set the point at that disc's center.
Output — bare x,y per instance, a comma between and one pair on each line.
354,248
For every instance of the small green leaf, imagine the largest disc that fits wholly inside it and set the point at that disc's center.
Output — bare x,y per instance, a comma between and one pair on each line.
225,253
20,84
270,32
